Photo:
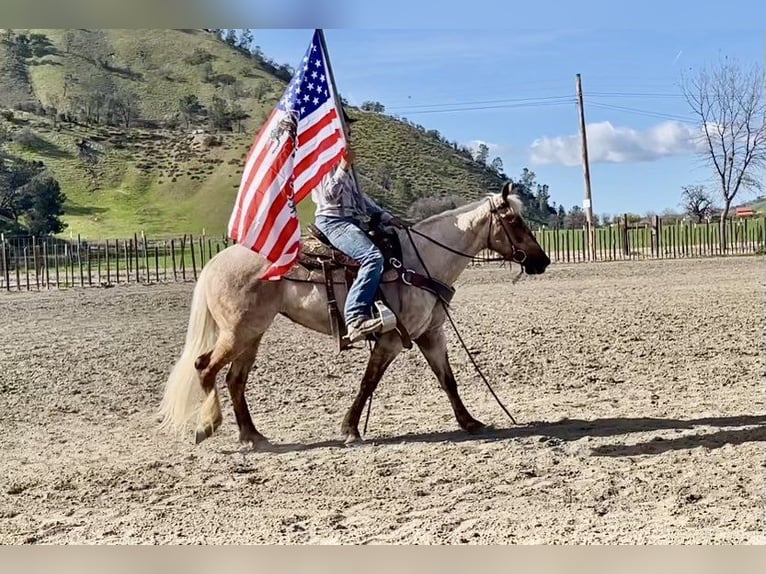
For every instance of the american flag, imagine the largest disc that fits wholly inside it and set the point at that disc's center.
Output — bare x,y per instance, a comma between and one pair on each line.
301,141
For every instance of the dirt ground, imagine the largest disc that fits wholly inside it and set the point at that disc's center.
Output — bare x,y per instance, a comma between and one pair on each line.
638,389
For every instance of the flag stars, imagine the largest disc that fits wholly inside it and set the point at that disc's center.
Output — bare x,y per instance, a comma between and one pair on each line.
316,101
321,78
318,63
314,75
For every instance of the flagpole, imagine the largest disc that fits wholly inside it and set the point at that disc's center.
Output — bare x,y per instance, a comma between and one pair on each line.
338,104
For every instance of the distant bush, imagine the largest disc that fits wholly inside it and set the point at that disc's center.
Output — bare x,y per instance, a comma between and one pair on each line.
26,138
198,56
428,206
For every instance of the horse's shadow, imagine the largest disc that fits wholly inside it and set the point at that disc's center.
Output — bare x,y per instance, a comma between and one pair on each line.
754,430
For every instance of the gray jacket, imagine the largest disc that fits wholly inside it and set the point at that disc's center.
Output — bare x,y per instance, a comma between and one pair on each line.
337,195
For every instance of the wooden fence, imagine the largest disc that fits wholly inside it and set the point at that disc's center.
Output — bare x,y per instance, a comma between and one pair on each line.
33,263
656,240
29,263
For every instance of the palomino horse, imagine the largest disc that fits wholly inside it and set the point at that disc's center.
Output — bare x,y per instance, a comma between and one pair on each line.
232,308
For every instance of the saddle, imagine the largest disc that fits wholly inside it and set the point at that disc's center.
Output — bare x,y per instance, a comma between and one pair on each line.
318,254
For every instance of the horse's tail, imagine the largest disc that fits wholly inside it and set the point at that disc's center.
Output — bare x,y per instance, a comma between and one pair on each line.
183,393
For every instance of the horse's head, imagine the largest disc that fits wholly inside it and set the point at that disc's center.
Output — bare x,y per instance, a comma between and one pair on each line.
510,236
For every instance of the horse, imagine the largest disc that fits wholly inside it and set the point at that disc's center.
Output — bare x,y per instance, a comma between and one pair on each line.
232,308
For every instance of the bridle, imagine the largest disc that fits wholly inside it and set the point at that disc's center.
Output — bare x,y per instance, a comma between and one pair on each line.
495,215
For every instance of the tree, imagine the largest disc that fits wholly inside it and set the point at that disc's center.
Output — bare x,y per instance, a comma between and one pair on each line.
497,165
575,218
125,106
696,201
30,197
370,106
44,203
231,37
218,114
730,109
245,40
482,153
542,196
15,175
190,107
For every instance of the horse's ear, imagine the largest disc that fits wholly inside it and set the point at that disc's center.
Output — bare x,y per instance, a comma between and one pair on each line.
507,187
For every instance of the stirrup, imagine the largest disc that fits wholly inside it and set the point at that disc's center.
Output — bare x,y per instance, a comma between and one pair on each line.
386,315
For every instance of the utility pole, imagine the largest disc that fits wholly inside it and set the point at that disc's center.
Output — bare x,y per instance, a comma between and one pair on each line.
587,203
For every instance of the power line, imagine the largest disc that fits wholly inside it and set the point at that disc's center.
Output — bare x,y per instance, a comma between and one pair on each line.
477,102
634,94
637,111
411,112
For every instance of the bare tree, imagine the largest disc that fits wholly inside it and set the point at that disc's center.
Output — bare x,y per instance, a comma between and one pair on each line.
696,201
728,103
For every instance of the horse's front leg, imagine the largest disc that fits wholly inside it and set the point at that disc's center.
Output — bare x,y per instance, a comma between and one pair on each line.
433,345
383,353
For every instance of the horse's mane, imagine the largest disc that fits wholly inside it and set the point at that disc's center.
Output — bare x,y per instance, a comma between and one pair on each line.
480,207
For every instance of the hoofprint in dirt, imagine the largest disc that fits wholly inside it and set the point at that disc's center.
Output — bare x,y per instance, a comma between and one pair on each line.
637,387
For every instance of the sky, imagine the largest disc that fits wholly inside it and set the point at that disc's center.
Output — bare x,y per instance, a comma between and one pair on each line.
513,86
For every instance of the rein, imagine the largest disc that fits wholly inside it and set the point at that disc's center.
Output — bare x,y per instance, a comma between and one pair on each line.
494,212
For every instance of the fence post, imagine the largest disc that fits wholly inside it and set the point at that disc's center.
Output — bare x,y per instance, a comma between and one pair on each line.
146,257
625,246
34,261
117,257
56,263
79,260
26,265
135,255
98,261
194,262
47,265
183,257
173,258
6,273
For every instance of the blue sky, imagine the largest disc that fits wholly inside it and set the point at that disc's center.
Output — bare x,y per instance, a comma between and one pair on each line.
515,90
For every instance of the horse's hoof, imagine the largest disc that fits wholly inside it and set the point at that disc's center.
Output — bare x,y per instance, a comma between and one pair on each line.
256,441
199,436
352,439
474,426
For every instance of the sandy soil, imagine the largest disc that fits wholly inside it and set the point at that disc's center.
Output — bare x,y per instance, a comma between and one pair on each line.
638,389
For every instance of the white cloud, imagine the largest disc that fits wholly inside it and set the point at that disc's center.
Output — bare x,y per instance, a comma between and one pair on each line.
609,144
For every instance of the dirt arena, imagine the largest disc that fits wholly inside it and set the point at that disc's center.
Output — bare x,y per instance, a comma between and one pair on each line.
638,389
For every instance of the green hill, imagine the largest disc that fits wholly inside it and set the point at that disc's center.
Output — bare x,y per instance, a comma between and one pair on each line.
101,108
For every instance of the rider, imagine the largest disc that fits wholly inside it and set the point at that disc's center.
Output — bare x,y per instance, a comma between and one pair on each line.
341,210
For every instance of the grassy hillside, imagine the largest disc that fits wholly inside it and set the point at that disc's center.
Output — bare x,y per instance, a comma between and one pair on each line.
167,175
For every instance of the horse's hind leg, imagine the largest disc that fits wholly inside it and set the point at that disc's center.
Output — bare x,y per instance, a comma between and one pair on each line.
236,380
208,365
383,353
433,345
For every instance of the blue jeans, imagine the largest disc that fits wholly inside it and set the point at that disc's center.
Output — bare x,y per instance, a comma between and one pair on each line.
346,235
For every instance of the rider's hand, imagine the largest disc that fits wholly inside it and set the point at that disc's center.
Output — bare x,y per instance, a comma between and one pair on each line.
347,160
396,222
